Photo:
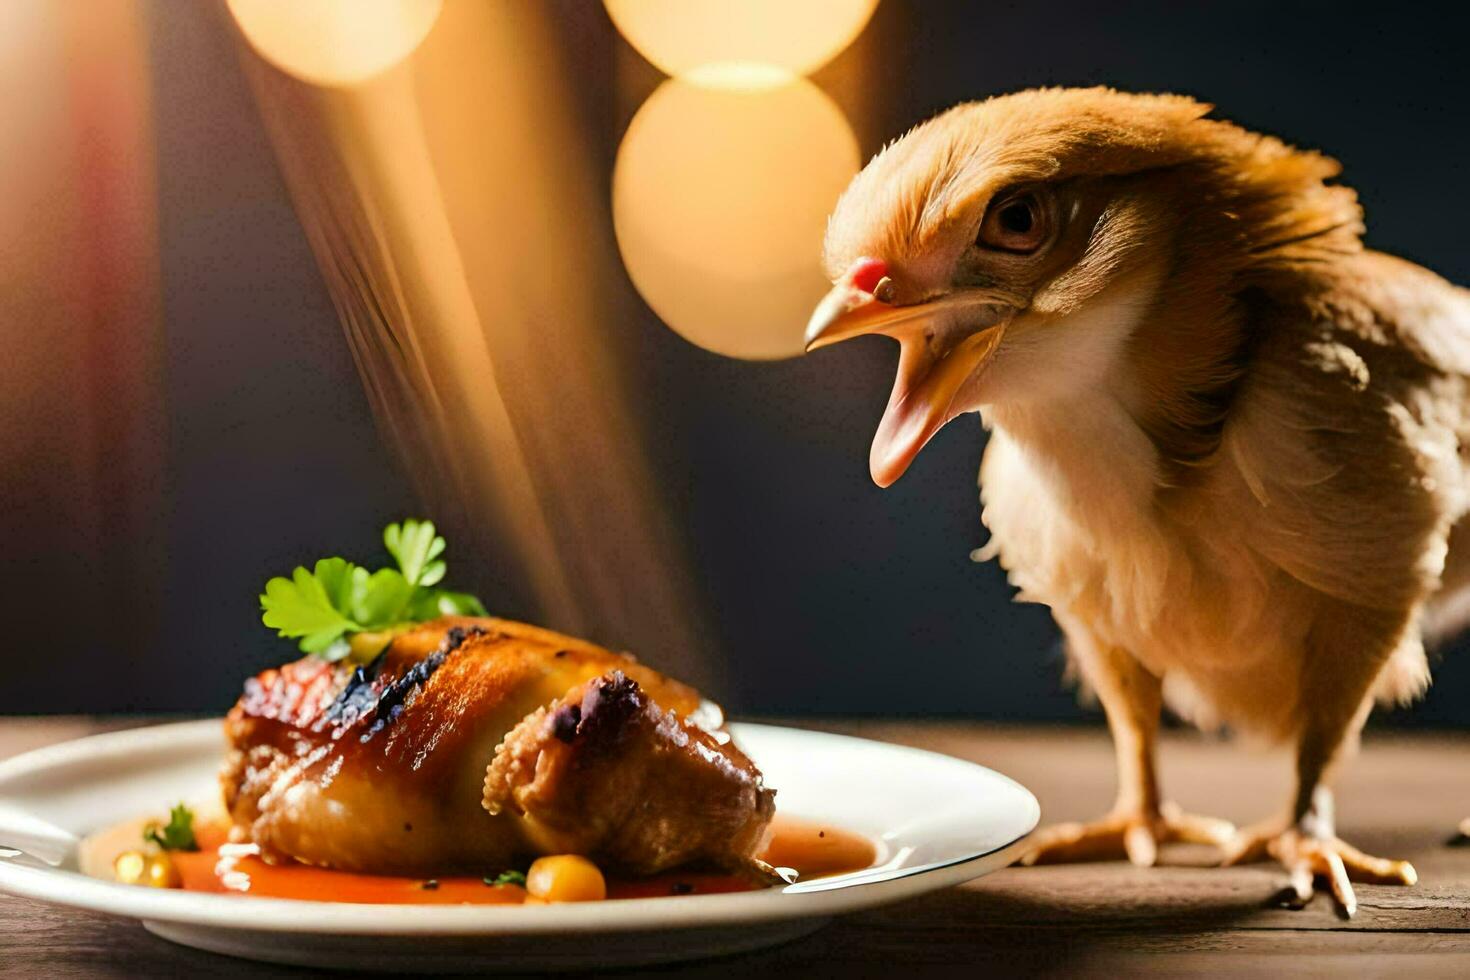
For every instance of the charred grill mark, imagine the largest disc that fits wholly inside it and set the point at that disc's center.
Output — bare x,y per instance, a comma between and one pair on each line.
356,699
457,635
368,694
390,702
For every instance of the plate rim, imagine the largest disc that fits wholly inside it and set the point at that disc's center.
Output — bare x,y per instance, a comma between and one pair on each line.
73,889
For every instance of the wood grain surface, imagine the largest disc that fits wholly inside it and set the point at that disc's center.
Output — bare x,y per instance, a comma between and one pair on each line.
1401,798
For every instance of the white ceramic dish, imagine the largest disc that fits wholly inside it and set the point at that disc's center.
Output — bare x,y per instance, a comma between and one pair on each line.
939,821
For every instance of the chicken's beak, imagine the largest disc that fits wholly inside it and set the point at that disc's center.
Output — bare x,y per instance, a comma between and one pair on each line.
942,342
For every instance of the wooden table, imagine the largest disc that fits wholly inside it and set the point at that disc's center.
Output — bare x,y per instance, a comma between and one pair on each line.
1400,799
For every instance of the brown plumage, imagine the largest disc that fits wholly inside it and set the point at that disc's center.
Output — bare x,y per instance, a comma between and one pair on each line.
1226,439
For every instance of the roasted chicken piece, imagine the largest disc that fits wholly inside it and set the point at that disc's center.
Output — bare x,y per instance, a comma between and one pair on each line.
473,744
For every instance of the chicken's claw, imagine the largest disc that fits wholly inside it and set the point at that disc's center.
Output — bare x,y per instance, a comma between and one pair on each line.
1307,857
1132,833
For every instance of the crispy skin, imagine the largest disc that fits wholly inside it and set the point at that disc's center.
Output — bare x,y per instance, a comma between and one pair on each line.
383,768
589,773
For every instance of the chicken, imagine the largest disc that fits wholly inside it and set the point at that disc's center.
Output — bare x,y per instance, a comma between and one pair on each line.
1227,442
472,744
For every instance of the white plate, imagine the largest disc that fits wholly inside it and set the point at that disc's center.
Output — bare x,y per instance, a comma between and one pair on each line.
939,821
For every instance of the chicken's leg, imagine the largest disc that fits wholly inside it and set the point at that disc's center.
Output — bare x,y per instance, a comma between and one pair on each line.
1306,841
1139,822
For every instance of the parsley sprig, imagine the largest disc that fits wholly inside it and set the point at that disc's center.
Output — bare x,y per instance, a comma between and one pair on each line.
337,598
177,834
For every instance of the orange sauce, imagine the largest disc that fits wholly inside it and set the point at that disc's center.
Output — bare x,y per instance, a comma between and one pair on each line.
811,849
815,850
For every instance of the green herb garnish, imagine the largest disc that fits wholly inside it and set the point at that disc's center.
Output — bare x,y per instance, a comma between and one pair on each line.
337,598
507,878
177,834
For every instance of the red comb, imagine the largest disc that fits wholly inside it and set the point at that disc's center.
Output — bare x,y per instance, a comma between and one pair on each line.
865,274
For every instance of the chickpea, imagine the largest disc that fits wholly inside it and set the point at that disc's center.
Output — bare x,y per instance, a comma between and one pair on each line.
129,867
153,870
565,878
162,873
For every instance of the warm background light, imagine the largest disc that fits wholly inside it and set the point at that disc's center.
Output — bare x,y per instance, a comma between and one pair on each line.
443,200
335,42
84,494
798,35
720,198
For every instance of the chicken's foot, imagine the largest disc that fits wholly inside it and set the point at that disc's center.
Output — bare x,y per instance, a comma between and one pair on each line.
1133,833
1309,848
1356,642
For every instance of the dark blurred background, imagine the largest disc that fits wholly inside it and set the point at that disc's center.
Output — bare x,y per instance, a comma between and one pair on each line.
155,476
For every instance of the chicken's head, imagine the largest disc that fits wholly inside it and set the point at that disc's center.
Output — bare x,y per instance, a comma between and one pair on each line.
1011,245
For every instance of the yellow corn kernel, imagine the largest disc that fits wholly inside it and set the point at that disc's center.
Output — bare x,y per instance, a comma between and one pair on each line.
565,878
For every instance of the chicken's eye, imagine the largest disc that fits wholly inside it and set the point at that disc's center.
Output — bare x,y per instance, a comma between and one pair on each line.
1013,224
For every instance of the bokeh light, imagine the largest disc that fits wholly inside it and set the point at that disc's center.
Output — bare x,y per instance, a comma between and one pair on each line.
798,35
335,42
720,201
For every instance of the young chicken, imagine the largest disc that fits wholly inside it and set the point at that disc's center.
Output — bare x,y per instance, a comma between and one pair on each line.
1227,441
